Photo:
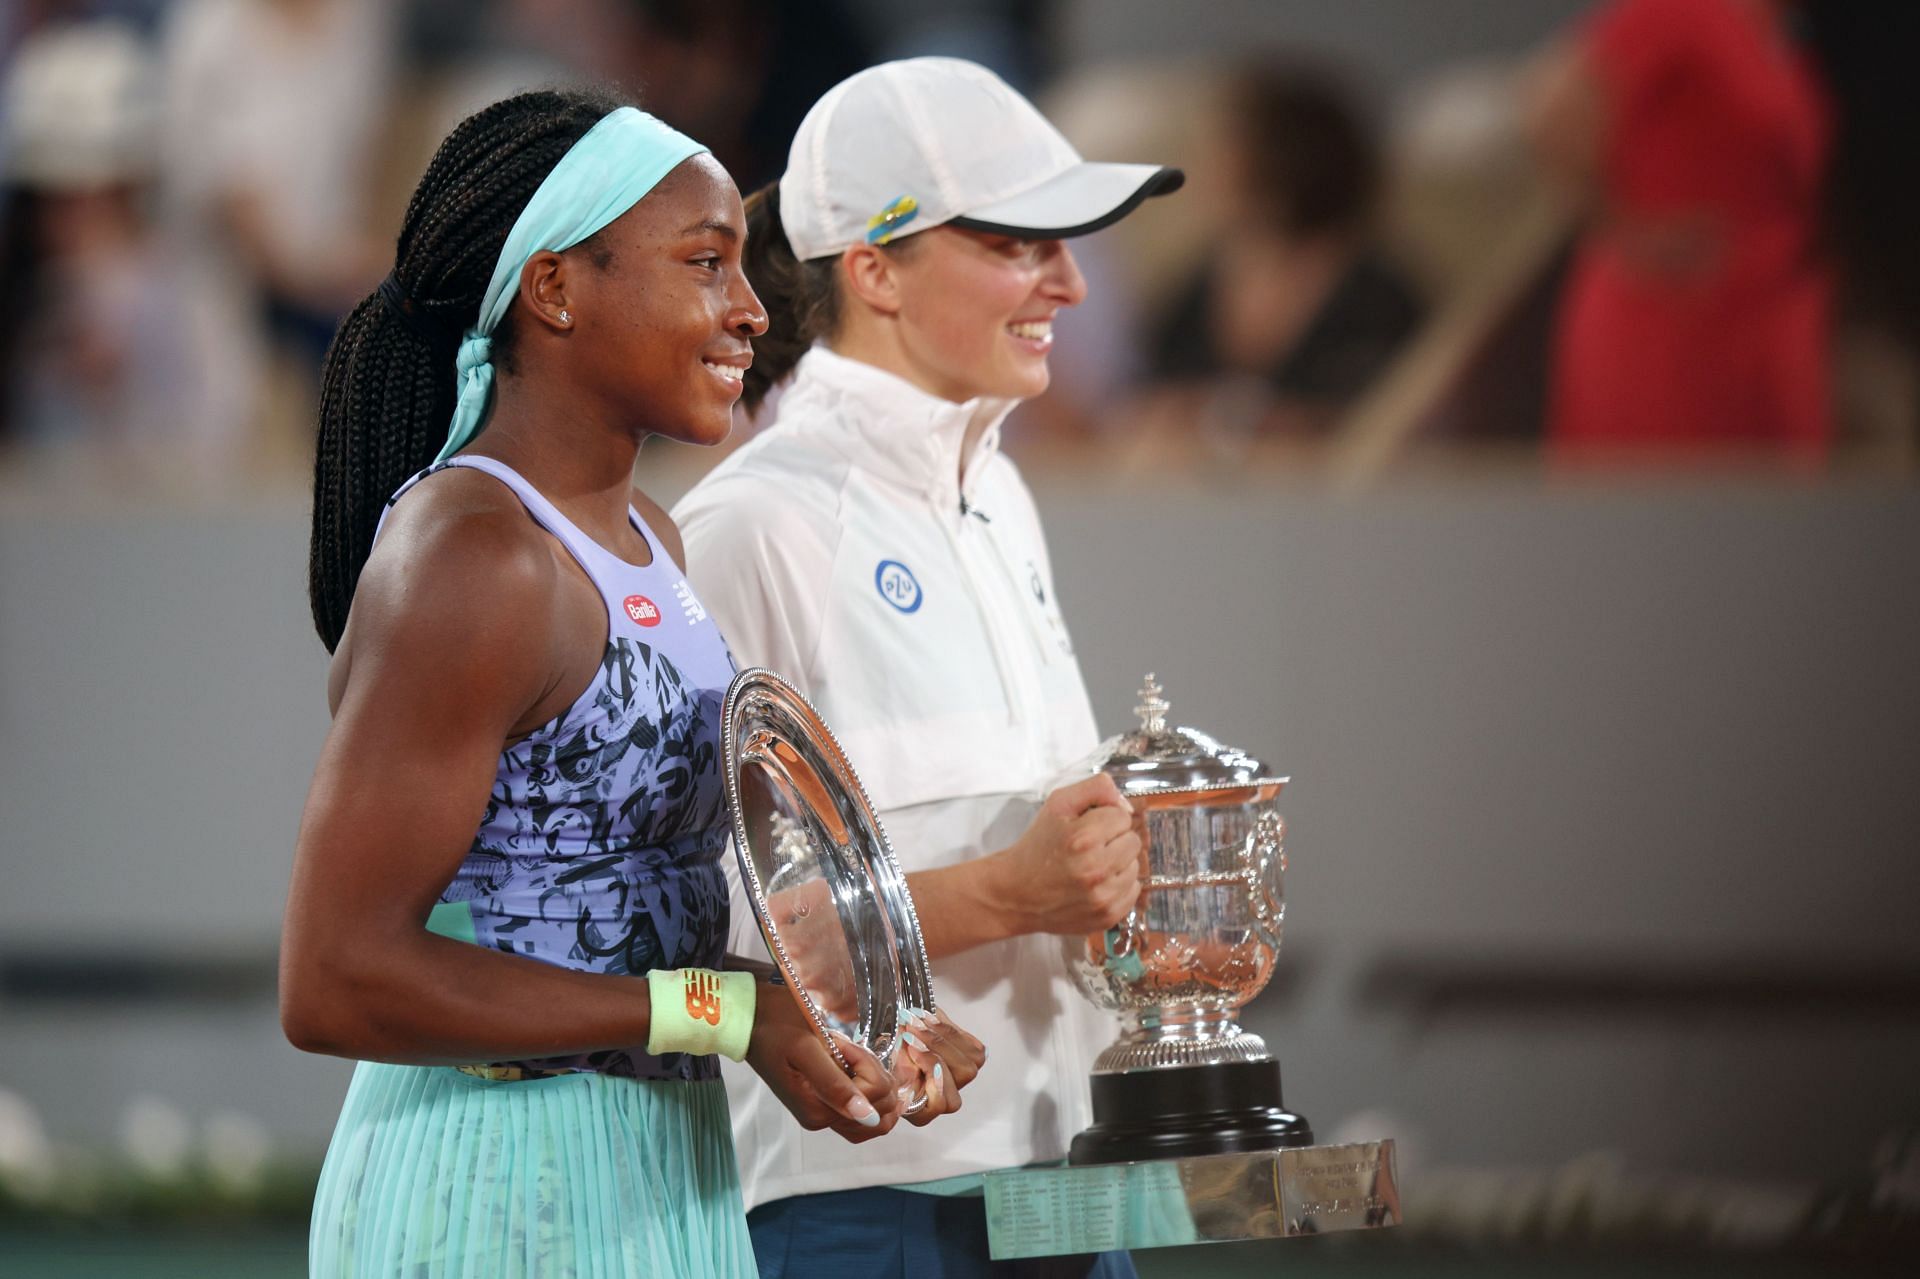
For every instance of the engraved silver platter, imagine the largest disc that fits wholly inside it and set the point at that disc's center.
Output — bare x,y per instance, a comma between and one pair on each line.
831,900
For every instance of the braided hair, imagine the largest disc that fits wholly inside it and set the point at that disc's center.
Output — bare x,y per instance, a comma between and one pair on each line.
387,389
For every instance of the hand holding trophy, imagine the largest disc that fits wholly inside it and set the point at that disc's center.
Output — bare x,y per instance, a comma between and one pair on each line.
1191,1141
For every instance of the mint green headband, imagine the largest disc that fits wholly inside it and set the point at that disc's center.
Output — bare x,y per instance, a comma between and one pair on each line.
603,175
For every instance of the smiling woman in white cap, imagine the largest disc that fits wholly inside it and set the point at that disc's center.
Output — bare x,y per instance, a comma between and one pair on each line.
874,546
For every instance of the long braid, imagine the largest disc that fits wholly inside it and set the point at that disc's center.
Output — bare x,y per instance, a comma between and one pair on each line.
387,392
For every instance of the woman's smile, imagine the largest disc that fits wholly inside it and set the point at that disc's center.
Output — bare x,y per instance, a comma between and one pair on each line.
730,371
1035,337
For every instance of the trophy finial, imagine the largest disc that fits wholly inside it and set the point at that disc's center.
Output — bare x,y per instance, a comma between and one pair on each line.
1153,708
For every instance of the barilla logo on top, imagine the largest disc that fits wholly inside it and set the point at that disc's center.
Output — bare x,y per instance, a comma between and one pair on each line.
642,610
897,585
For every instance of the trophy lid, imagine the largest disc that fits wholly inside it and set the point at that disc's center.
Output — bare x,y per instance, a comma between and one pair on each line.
1158,756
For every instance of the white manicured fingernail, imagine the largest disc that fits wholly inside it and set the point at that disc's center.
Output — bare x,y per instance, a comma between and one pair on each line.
862,1109
908,1038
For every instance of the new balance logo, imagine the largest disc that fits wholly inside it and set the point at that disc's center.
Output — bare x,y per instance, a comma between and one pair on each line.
703,997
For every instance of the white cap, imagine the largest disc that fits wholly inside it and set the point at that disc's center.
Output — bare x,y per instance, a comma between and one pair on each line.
923,142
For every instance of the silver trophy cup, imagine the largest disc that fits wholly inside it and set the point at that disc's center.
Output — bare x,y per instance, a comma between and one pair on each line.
1190,1142
1184,1078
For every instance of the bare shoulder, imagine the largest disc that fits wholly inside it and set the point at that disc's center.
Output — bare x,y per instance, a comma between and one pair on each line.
460,527
461,587
662,525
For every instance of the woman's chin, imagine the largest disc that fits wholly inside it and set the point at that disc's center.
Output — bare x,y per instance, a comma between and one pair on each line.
703,432
1029,382
1013,380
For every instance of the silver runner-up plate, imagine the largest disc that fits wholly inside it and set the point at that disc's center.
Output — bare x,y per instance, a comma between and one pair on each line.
831,900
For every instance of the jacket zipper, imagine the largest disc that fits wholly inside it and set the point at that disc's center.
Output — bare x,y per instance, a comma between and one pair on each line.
1019,590
953,529
1020,684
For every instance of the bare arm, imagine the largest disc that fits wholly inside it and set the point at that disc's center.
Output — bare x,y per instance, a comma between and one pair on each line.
1076,869
454,646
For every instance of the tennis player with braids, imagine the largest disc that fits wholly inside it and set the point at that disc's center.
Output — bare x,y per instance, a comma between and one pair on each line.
507,898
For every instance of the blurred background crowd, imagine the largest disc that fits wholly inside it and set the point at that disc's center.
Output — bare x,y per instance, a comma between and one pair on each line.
1664,232
1510,432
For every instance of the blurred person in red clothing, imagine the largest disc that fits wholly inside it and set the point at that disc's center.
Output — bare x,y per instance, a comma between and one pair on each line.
1696,318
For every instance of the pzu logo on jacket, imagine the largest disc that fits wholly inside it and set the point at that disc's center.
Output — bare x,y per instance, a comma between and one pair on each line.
897,585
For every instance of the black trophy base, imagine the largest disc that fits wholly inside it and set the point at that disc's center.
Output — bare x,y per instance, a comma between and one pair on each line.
1180,1111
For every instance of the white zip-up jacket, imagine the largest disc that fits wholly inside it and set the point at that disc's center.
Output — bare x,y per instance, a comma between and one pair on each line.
843,549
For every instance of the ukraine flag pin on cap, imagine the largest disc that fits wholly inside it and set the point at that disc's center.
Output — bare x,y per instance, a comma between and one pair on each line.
882,225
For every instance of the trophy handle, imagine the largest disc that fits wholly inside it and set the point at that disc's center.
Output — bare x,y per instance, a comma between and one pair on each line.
1262,849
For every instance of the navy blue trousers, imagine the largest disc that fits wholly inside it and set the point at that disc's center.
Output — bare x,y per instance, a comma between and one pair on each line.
889,1233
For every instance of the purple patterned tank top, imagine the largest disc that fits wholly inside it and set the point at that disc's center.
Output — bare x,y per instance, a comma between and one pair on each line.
600,849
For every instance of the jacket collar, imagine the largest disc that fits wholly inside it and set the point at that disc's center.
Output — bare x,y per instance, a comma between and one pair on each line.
884,424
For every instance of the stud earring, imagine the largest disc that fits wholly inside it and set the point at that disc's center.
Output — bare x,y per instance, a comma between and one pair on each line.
566,317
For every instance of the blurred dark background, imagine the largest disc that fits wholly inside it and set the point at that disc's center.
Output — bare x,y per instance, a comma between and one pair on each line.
1510,432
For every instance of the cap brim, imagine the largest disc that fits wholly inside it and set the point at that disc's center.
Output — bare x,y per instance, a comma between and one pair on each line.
1083,199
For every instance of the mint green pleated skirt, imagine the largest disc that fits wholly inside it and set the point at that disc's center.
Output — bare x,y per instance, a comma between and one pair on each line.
433,1174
